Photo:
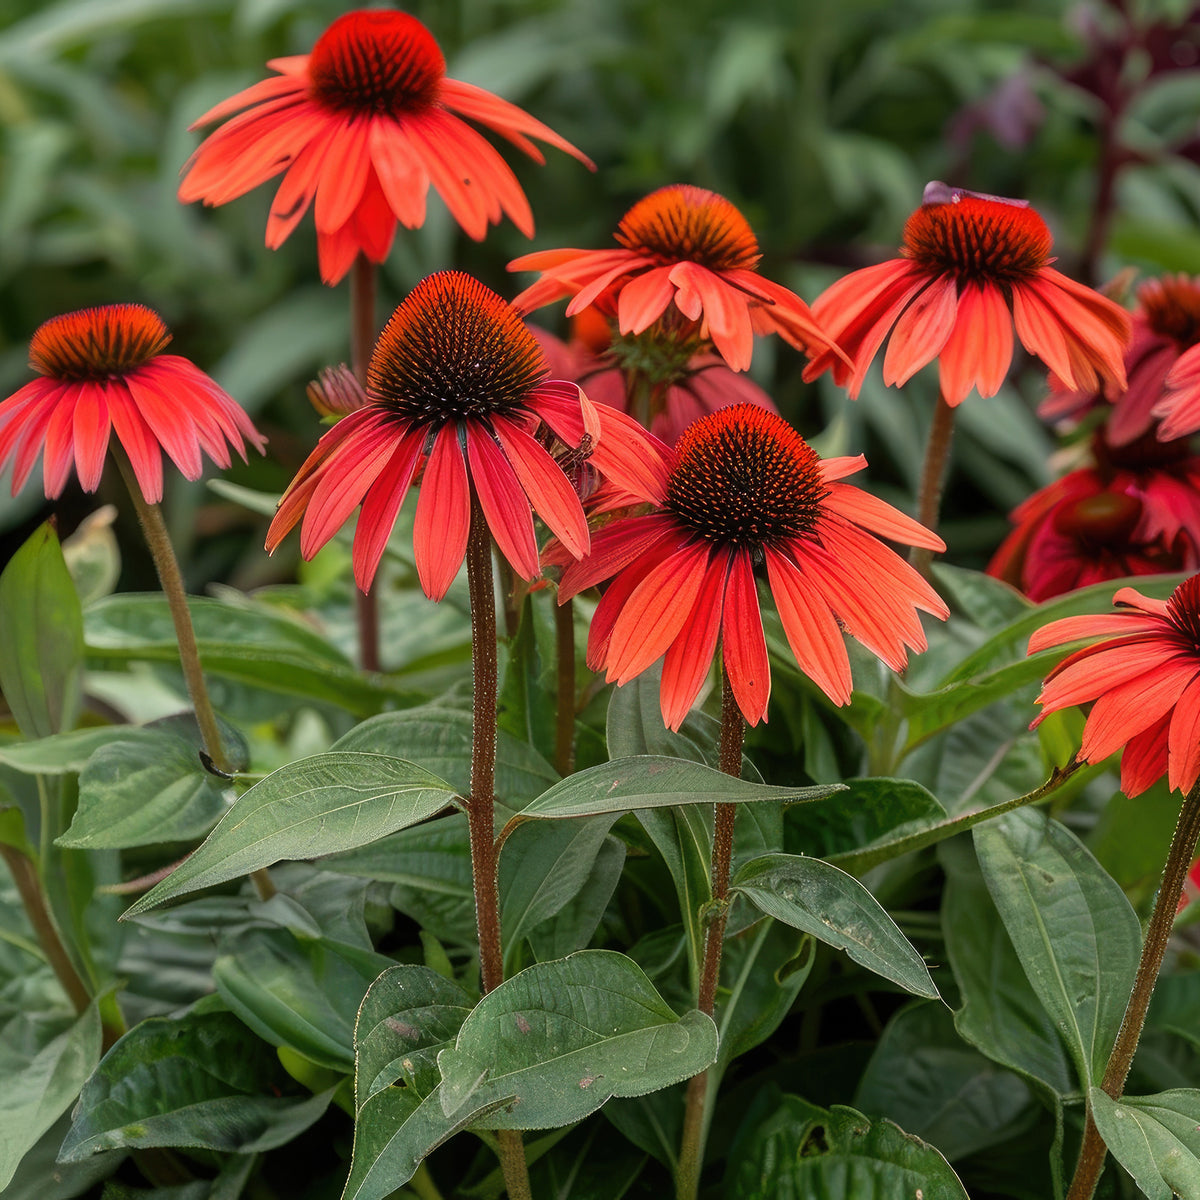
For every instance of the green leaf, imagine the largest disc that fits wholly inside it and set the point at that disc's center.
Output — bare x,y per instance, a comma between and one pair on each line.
561,1037
407,1015
634,724
573,926
1072,927
299,992
801,1152
316,806
68,753
834,907
542,868
1000,1013
440,739
41,637
946,1092
247,642
653,781
38,1091
201,1080
1155,1138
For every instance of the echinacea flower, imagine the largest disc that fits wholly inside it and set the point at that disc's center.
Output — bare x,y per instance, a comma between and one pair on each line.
971,268
103,371
690,386
748,498
1166,331
458,385
686,248
1136,512
1143,680
363,125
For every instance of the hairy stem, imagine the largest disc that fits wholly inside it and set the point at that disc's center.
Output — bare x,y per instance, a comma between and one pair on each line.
933,477
564,715
362,343
696,1106
1158,933
158,540
482,802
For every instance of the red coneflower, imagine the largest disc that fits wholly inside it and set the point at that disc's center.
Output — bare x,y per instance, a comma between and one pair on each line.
745,495
363,125
972,267
1166,328
103,371
1144,679
681,246
458,383
1137,512
692,386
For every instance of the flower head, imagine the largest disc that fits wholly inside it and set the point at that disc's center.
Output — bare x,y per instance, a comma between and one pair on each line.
687,383
103,370
363,125
746,496
1144,679
685,248
459,385
971,268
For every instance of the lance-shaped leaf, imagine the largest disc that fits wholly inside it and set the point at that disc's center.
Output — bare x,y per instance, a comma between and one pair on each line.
1155,1138
654,781
820,899
316,806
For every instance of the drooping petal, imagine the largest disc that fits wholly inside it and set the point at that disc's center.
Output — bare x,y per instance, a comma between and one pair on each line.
381,505
613,548
1145,758
743,643
978,352
504,503
90,434
443,519
58,453
880,517
689,657
1183,740
1072,629
1131,707
137,440
921,332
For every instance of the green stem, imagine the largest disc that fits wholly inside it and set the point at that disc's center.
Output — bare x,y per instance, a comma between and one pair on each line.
933,477
696,1106
481,821
158,540
362,344
564,722
1158,933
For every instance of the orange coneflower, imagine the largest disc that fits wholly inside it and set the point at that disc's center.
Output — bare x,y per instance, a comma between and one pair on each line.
746,495
972,267
681,246
1145,682
363,125
103,370
458,383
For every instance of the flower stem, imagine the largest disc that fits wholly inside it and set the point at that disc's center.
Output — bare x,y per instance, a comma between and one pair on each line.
696,1107
362,343
158,540
1158,932
482,802
933,477
564,724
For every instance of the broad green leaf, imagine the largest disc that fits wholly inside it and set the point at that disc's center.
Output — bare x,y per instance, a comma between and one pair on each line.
249,643
37,1092
834,907
41,637
407,1015
634,725
653,781
1000,1013
201,1080
68,753
561,1037
42,1177
439,739
573,926
1155,1138
801,1152
945,1092
1072,927
299,992
316,806
526,703
542,868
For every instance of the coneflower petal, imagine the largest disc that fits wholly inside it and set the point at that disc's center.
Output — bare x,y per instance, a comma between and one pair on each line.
443,519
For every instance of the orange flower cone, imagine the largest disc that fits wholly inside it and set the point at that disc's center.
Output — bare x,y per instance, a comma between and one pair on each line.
972,268
361,127
747,498
103,371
